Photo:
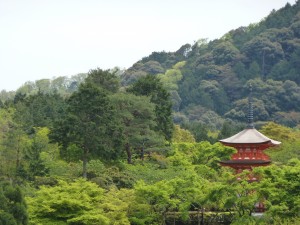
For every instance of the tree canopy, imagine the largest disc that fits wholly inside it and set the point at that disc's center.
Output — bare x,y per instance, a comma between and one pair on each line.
116,129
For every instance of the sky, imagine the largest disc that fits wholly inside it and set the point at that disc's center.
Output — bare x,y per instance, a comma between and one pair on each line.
52,38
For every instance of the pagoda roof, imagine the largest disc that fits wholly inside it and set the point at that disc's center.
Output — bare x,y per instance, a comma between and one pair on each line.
246,162
249,136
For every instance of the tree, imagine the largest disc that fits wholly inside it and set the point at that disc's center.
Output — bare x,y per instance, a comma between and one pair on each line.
38,110
182,135
33,152
280,188
90,124
201,153
104,79
13,209
290,142
237,195
75,81
199,130
228,129
262,49
6,95
199,114
226,52
175,195
240,110
170,80
172,76
43,85
138,121
78,202
13,141
152,87
212,92
60,85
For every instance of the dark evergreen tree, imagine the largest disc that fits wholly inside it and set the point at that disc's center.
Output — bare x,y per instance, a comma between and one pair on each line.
152,87
138,121
228,129
199,131
90,124
38,110
36,164
13,209
105,79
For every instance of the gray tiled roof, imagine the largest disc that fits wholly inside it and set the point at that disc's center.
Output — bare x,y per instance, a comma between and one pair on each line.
249,136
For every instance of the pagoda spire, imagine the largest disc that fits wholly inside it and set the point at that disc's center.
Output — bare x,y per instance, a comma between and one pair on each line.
250,110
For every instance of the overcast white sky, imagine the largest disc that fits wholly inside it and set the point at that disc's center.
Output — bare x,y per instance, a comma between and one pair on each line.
51,38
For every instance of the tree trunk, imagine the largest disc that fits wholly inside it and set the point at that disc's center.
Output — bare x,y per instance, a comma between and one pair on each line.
129,154
142,153
18,153
263,66
202,216
84,162
164,219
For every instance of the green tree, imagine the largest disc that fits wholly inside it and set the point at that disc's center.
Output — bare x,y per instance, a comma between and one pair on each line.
228,129
43,85
278,132
201,153
60,85
13,209
262,49
225,52
240,110
6,95
13,141
105,79
152,87
199,130
199,114
38,110
138,121
212,91
289,137
235,193
172,76
175,195
90,124
182,135
137,116
280,188
79,202
33,152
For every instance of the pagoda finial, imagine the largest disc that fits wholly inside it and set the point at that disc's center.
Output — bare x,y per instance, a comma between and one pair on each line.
250,110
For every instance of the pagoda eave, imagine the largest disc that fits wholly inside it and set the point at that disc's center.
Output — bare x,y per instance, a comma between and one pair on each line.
242,163
262,145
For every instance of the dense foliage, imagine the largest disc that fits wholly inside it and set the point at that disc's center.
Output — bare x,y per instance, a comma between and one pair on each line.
13,209
208,80
115,129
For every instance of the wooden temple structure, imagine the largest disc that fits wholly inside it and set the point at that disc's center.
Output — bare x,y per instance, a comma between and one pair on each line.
250,145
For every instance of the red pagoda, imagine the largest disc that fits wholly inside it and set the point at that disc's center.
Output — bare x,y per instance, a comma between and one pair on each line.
250,145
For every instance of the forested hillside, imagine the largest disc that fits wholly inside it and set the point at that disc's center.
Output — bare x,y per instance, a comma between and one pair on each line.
140,146
209,81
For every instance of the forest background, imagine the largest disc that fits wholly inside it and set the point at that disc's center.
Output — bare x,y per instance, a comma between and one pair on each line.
140,146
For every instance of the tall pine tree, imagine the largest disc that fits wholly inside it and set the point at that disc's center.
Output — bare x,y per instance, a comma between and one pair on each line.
151,86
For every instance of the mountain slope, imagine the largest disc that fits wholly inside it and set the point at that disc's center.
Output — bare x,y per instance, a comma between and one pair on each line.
213,83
